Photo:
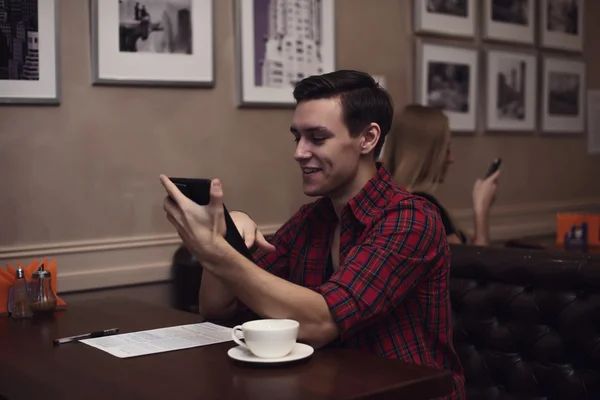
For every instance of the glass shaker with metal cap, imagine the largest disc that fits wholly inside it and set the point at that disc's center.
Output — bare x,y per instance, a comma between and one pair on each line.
43,300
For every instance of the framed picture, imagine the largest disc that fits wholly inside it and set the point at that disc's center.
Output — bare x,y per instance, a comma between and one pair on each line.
564,95
279,43
447,78
561,24
449,17
509,20
153,42
511,91
29,52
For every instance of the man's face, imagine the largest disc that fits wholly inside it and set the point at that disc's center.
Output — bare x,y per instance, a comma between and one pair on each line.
327,154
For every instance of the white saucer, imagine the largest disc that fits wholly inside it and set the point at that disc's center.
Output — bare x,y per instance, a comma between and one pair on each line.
299,351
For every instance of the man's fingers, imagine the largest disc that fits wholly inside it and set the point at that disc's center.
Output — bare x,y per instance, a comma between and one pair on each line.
262,243
249,239
172,190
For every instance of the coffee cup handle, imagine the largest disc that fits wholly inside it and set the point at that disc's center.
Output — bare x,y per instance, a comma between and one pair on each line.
235,337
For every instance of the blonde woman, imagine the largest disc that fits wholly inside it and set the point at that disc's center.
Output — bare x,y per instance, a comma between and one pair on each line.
417,154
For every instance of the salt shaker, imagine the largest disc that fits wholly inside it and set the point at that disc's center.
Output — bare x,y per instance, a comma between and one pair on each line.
21,307
43,300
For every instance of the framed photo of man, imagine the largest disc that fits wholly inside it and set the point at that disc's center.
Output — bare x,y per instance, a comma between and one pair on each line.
153,42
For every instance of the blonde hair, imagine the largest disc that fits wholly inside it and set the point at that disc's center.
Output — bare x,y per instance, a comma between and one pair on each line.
415,148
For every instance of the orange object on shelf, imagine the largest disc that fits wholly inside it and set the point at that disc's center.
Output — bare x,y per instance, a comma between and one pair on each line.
578,226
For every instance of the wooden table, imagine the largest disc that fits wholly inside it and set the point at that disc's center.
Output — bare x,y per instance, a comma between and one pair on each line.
32,368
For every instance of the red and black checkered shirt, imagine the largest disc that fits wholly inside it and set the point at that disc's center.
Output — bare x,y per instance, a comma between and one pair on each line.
390,294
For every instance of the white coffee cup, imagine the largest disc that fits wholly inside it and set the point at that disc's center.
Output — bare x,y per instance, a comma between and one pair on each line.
268,338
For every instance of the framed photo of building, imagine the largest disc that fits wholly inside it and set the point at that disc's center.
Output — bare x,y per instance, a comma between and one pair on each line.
280,42
509,20
448,17
511,91
561,24
153,42
447,78
563,108
29,52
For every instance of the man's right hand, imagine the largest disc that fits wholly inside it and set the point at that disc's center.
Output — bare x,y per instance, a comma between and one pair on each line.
250,232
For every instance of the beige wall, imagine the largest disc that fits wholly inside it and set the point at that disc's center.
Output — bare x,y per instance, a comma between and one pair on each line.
88,169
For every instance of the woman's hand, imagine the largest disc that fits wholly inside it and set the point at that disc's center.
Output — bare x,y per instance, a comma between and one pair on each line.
250,232
484,194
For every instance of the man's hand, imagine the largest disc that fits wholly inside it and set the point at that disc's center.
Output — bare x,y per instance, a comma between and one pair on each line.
198,226
250,232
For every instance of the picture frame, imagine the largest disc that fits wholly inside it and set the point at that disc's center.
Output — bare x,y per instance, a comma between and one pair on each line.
31,76
509,20
562,24
563,102
447,78
452,18
268,66
511,98
169,43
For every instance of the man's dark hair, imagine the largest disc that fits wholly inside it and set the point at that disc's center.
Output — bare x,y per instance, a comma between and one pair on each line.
363,100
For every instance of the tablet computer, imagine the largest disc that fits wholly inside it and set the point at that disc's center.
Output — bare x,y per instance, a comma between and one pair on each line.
198,190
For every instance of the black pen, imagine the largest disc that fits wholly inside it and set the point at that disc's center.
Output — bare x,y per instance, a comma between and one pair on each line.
90,335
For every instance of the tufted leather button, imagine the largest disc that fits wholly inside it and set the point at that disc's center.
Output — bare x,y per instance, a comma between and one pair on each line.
528,288
582,294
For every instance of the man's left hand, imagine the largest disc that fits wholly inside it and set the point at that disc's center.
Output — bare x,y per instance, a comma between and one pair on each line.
198,226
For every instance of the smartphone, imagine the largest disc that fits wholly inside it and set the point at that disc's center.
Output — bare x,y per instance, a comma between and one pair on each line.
198,190
494,167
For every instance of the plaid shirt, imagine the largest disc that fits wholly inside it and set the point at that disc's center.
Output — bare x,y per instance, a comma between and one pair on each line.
390,294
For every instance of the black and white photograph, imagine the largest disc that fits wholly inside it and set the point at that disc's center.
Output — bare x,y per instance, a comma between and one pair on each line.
447,77
458,8
276,52
563,16
448,17
448,86
564,88
28,65
153,43
511,91
272,65
19,40
510,84
511,11
155,26
563,93
561,24
509,20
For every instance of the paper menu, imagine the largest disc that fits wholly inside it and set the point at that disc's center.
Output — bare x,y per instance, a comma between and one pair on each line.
161,340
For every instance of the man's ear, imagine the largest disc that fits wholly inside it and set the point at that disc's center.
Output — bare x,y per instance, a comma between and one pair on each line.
369,138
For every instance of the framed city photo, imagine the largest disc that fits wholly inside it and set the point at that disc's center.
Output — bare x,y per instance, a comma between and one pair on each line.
447,78
449,17
280,42
561,24
511,91
509,20
564,95
153,42
29,56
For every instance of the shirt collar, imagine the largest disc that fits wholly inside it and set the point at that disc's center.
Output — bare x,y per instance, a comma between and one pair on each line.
373,197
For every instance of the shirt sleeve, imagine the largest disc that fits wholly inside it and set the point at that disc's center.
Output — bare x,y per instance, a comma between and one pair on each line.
277,262
405,245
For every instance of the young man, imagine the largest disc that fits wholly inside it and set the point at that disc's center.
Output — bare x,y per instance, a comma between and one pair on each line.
365,266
